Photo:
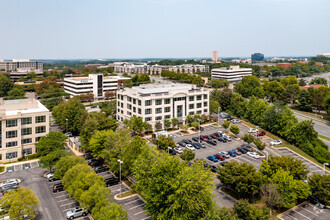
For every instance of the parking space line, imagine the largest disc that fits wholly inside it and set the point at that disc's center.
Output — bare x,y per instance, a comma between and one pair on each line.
146,218
136,206
65,200
139,212
131,201
308,211
301,214
60,196
68,204
291,216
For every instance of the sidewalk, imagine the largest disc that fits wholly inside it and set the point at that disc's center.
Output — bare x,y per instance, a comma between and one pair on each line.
311,117
19,163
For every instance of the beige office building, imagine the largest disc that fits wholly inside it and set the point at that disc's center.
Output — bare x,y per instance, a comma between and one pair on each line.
156,102
23,123
215,56
232,73
21,66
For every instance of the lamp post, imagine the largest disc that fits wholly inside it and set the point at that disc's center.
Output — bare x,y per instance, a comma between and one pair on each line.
66,125
266,155
120,162
325,164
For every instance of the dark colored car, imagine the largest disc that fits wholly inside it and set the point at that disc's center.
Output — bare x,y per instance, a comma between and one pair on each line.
237,152
88,156
247,148
200,128
209,137
8,188
195,139
58,187
260,133
316,201
222,139
232,153
243,151
111,181
182,144
204,138
213,168
213,142
171,151
96,163
187,141
196,145
223,163
100,169
216,134
220,156
52,179
212,158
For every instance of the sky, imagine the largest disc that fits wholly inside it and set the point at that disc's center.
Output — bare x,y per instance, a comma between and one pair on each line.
83,29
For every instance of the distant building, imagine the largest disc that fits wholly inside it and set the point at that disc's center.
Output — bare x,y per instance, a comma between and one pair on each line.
93,65
257,57
285,65
324,55
156,102
23,123
215,56
14,76
232,73
314,86
94,83
21,66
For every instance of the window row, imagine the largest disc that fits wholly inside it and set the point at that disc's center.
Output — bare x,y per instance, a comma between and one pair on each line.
158,118
198,105
25,131
25,121
23,141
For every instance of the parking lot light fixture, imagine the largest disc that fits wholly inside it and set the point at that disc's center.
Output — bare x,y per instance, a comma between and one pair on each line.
325,164
266,155
120,162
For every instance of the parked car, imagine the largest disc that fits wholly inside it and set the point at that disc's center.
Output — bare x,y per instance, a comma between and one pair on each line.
58,187
100,169
224,153
214,136
260,133
196,139
220,156
76,212
213,168
316,201
182,144
7,188
196,145
237,152
190,147
52,179
213,142
247,148
222,139
232,153
242,150
204,138
224,115
228,138
200,128
235,120
253,154
253,130
212,158
96,163
88,156
276,142
179,150
49,175
220,133
209,137
9,182
187,141
202,145
171,151
111,181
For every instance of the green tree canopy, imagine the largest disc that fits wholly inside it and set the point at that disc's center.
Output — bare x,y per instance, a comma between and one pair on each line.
320,186
164,142
51,142
66,163
109,107
249,86
247,211
49,160
234,129
16,93
111,211
319,80
5,85
136,124
187,155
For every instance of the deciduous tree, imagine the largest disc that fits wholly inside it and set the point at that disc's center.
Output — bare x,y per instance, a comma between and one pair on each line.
66,163
136,124
271,196
49,160
247,211
187,155
234,129
320,185
51,142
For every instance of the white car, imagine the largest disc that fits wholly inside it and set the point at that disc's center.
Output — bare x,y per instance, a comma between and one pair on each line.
190,147
220,132
179,150
76,212
224,153
235,120
276,142
9,182
253,154
49,175
253,130
228,138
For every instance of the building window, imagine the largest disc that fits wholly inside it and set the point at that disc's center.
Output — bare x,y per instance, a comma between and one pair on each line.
139,102
205,110
167,109
147,102
40,129
191,106
11,155
118,96
27,151
11,144
148,119
158,101
167,116
191,113
158,110
199,97
199,112
134,109
158,118
199,105
37,139
40,119
26,131
129,113
191,98
205,96
167,101
139,110
11,123
122,98
129,106
148,111
118,103
11,134
134,101
205,104
179,99
26,121
26,140
122,105
129,99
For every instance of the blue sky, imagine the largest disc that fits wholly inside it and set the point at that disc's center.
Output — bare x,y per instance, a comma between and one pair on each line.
62,29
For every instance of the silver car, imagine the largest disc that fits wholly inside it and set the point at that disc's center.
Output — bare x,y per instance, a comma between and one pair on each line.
76,212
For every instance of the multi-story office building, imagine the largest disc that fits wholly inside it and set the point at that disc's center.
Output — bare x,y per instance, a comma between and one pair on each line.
232,73
156,102
257,57
14,76
21,66
23,123
215,56
94,83
189,68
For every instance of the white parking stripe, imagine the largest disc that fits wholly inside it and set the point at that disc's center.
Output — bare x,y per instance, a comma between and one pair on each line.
139,212
132,201
68,204
308,211
301,214
136,206
146,218
65,200
59,196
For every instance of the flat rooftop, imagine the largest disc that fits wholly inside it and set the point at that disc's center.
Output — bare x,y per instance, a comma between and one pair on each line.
87,78
160,88
23,106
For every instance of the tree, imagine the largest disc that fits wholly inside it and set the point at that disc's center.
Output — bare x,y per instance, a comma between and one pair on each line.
190,119
319,80
5,85
223,213
98,142
20,202
49,160
51,142
131,151
247,211
52,97
66,163
46,85
109,94
95,197
291,91
109,107
175,122
304,101
111,211
184,127
187,155
302,82
218,83
224,98
194,124
271,196
226,124
320,186
274,90
259,144
158,126
248,138
234,129
16,93
136,124
167,123
164,142
326,104
294,166
241,177
214,106
249,86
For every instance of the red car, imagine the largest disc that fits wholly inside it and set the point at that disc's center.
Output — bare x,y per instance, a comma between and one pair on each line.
203,138
220,156
260,133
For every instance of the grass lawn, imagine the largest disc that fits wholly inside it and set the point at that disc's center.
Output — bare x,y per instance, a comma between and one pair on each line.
125,194
324,137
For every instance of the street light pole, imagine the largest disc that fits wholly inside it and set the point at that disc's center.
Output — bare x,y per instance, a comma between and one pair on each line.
325,164
266,155
120,162
218,116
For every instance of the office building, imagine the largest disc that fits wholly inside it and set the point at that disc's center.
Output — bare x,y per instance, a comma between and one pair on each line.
23,123
14,76
94,83
215,56
232,73
156,102
257,57
21,66
324,55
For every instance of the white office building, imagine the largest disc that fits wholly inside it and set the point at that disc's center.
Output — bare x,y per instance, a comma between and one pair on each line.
232,73
94,83
23,123
21,66
156,102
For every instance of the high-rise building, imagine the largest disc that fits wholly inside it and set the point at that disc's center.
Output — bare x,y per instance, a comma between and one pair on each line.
21,66
215,56
257,57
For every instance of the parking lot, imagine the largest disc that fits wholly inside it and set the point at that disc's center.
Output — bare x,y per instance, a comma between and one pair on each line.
23,166
306,211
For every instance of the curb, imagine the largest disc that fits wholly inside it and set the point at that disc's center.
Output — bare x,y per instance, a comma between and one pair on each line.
127,197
